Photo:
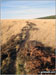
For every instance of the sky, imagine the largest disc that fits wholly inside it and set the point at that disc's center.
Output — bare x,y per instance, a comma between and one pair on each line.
26,9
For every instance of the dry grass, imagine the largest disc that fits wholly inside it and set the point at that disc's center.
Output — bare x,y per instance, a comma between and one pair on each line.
45,33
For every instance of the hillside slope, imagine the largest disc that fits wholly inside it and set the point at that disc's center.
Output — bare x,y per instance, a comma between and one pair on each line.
27,46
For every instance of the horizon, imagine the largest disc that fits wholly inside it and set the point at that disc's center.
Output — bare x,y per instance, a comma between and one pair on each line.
26,9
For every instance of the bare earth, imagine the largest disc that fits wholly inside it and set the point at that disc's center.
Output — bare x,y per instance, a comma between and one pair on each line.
44,34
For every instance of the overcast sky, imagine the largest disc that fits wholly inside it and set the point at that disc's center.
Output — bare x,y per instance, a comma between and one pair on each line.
16,9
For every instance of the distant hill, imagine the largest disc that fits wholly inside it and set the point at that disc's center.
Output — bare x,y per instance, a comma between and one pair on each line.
48,17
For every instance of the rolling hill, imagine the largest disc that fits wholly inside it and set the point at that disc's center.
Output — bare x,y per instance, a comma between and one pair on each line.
48,17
